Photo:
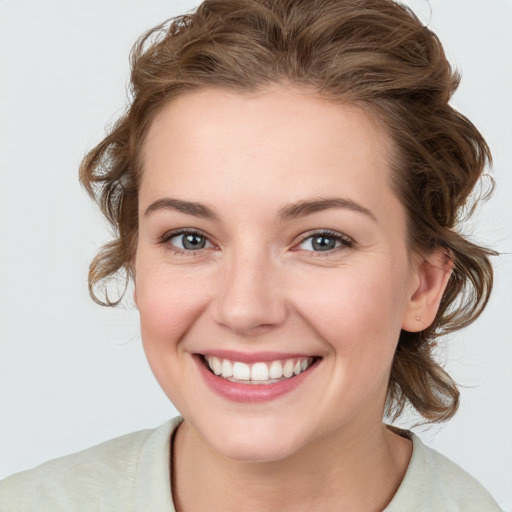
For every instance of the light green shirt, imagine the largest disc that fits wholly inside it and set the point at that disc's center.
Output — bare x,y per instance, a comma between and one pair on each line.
132,474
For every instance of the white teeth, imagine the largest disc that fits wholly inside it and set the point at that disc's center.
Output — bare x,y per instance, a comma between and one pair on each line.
227,368
241,371
276,370
288,368
259,371
215,365
264,373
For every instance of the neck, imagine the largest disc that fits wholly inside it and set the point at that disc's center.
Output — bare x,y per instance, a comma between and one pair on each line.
347,471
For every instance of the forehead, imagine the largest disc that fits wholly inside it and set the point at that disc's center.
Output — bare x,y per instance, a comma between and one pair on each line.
279,142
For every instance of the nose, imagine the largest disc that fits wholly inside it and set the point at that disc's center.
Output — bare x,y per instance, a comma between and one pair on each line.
250,300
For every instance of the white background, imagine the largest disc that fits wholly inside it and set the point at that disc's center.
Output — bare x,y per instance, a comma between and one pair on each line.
73,374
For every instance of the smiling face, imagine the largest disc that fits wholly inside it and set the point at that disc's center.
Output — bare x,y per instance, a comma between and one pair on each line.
271,252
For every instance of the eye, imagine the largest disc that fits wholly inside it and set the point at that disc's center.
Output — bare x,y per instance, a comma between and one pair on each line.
186,241
325,241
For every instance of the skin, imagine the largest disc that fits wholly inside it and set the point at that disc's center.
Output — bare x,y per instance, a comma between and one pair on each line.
258,286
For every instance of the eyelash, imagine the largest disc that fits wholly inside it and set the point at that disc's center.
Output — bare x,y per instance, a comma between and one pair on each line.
165,239
345,241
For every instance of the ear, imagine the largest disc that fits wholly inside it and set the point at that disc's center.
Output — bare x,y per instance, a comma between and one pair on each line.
431,276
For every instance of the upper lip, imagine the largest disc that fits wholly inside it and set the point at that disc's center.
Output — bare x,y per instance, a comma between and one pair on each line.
255,357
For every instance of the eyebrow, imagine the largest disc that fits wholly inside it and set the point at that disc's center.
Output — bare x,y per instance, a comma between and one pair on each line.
289,212
303,208
188,207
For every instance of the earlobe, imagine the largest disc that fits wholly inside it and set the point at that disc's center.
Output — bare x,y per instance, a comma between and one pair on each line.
432,275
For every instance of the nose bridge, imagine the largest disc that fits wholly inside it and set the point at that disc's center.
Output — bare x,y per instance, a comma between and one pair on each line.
249,297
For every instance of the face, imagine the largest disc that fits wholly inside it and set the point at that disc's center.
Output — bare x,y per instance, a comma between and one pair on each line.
272,273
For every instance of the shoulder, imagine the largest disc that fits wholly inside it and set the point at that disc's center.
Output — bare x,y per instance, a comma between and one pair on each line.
433,482
106,476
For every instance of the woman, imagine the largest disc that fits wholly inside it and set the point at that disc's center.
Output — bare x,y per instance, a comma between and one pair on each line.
285,190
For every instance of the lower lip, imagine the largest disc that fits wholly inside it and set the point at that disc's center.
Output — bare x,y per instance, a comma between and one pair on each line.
251,392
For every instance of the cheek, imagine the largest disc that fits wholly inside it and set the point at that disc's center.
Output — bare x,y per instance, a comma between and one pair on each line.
358,310
357,313
169,301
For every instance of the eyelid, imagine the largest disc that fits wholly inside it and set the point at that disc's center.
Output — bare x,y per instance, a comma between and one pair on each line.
181,231
168,235
346,241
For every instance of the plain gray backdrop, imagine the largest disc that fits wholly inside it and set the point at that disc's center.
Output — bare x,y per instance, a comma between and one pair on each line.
73,374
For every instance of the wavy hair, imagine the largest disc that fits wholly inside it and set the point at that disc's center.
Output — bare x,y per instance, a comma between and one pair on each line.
374,53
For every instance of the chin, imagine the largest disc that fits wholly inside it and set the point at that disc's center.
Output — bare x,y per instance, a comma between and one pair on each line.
264,441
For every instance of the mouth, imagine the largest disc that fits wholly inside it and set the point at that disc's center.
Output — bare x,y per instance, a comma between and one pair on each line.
258,373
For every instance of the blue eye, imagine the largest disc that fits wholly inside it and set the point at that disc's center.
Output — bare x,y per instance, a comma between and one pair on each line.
325,241
188,241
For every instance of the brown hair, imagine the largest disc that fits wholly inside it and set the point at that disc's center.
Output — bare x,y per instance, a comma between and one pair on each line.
374,53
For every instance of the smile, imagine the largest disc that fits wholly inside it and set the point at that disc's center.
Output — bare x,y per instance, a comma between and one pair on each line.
258,373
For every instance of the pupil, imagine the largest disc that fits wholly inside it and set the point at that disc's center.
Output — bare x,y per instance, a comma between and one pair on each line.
193,242
323,243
